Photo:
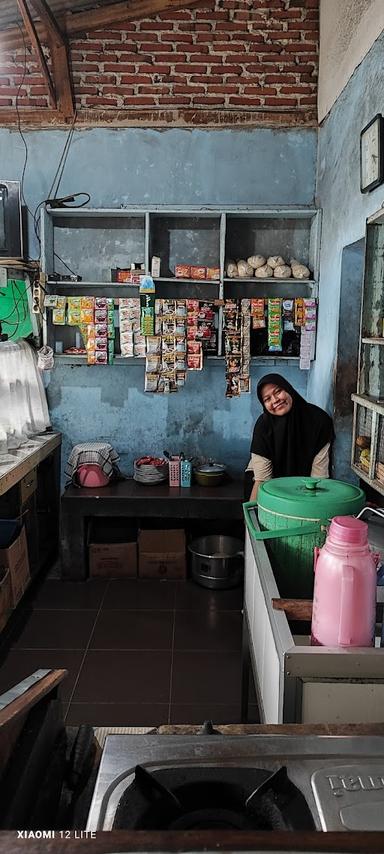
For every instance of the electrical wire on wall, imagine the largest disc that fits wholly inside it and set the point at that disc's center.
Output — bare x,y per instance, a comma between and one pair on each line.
59,171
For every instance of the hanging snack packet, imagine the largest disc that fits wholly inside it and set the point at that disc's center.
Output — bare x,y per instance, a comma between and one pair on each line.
299,311
288,315
58,316
258,313
274,325
151,382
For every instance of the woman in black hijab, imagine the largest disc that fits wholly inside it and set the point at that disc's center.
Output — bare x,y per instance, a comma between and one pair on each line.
291,437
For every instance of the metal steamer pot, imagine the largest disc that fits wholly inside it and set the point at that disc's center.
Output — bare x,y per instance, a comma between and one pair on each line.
210,474
217,561
293,515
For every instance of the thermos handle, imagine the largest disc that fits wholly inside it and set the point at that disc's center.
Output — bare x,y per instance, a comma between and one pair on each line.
346,605
314,528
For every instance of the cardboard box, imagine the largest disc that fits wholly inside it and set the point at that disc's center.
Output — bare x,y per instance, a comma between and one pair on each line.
162,554
5,599
15,558
113,560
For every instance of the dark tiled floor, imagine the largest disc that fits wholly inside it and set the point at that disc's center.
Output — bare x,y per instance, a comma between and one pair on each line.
138,653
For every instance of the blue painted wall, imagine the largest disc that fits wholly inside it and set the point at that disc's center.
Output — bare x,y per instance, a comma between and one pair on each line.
345,209
134,166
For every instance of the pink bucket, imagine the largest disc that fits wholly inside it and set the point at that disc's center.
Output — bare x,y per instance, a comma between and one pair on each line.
91,475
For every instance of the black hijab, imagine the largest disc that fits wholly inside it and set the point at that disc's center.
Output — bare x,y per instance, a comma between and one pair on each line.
291,441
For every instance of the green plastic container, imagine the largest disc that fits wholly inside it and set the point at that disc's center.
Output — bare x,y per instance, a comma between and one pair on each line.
293,514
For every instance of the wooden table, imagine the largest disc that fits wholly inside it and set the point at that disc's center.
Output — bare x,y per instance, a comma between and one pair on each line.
30,489
136,500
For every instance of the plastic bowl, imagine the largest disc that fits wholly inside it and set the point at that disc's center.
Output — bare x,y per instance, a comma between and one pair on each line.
91,475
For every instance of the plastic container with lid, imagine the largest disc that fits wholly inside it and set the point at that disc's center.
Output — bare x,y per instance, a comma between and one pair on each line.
344,601
293,514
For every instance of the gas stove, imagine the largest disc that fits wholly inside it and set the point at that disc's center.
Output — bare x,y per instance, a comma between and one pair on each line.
239,782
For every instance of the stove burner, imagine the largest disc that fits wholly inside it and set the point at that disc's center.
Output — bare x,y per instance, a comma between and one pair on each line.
226,798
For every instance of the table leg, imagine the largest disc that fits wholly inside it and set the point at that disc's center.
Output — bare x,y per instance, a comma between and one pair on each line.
73,557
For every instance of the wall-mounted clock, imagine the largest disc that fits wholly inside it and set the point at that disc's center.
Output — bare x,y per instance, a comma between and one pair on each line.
372,154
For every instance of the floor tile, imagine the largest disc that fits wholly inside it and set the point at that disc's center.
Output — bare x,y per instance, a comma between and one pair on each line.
210,629
133,630
55,630
201,677
198,713
140,594
54,594
191,596
117,714
124,677
20,663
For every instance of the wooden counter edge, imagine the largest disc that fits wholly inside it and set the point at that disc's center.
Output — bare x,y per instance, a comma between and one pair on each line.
24,466
278,729
106,842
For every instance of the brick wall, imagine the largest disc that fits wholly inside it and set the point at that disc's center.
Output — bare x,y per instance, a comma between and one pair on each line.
208,65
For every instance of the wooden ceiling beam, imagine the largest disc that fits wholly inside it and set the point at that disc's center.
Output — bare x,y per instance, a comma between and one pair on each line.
71,24
59,56
33,36
131,10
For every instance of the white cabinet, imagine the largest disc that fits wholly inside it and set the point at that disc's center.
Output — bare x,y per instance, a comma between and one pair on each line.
91,242
296,682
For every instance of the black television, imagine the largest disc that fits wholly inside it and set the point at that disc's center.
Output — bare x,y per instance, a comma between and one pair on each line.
11,232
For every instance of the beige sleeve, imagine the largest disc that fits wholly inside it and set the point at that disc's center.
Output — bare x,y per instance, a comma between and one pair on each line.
261,467
320,465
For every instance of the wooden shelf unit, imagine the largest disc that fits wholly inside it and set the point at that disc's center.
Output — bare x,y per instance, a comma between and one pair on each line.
91,241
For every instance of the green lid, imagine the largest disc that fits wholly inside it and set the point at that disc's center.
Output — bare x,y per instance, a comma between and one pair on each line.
310,497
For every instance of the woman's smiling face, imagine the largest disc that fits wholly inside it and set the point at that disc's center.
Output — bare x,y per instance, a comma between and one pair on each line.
276,400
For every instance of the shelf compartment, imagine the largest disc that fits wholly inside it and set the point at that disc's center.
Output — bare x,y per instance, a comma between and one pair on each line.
293,234
87,244
184,239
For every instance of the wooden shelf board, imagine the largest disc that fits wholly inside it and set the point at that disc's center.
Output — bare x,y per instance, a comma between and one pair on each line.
376,404
270,279
177,280
379,341
133,361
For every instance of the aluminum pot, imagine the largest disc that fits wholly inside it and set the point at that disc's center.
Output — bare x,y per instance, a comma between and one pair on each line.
217,561
210,474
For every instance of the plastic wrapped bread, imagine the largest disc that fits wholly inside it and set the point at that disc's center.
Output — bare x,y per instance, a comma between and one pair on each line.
256,261
264,272
232,271
275,261
244,269
282,271
299,271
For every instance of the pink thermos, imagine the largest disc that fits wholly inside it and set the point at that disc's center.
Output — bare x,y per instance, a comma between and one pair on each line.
344,598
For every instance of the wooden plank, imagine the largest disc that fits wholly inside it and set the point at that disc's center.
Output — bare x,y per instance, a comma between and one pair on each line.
34,38
295,609
59,56
63,82
133,10
164,118
74,841
277,729
21,705
106,16
21,467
